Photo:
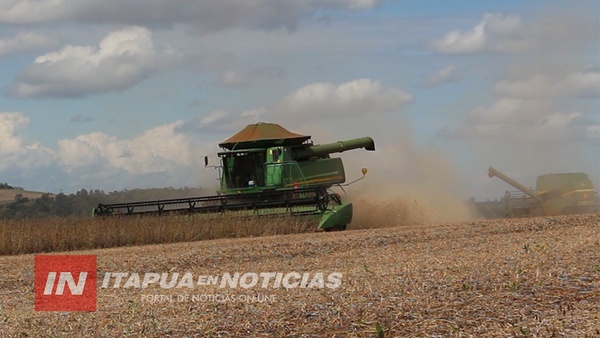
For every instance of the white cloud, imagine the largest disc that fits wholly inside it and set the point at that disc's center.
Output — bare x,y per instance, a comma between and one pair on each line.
537,86
495,33
159,149
10,143
445,75
511,120
554,34
254,113
122,59
559,120
25,42
81,151
232,78
216,121
533,104
545,86
16,152
506,25
325,101
236,79
353,98
205,15
22,12
213,116
360,4
509,111
457,42
155,157
580,84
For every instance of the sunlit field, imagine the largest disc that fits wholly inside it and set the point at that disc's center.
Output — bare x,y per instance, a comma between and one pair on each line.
537,277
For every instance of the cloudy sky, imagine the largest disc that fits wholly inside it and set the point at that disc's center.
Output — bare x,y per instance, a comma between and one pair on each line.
132,94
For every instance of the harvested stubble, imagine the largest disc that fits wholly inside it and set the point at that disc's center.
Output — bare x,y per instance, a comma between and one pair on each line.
536,277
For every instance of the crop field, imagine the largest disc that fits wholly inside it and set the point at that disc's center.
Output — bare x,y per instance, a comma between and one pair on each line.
77,233
537,277
22,236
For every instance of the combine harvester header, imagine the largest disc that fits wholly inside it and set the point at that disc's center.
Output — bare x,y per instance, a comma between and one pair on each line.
267,170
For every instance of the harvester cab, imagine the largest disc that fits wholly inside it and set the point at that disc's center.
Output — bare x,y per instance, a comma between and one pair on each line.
265,156
267,170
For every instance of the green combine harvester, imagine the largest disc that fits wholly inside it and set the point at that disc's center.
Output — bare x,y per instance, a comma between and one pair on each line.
267,170
555,194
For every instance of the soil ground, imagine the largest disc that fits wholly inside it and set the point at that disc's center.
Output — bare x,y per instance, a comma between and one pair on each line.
537,277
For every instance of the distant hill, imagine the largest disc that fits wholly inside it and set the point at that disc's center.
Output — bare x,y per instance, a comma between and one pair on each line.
8,195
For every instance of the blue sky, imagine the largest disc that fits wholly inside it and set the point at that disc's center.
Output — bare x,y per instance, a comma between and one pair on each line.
118,95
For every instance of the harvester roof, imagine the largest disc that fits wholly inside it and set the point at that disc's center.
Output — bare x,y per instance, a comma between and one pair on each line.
263,135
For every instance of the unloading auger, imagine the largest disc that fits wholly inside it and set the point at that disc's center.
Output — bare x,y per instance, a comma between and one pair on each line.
267,170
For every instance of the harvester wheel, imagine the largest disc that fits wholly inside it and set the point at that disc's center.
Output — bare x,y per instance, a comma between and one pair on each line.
339,227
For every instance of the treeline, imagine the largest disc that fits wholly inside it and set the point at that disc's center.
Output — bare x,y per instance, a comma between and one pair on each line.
8,186
82,202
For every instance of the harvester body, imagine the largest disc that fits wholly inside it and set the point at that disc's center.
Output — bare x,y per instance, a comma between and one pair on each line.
555,194
268,170
280,167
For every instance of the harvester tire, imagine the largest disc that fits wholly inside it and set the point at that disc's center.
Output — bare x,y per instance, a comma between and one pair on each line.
340,227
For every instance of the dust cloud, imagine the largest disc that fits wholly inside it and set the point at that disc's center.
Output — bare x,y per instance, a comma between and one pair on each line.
407,184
